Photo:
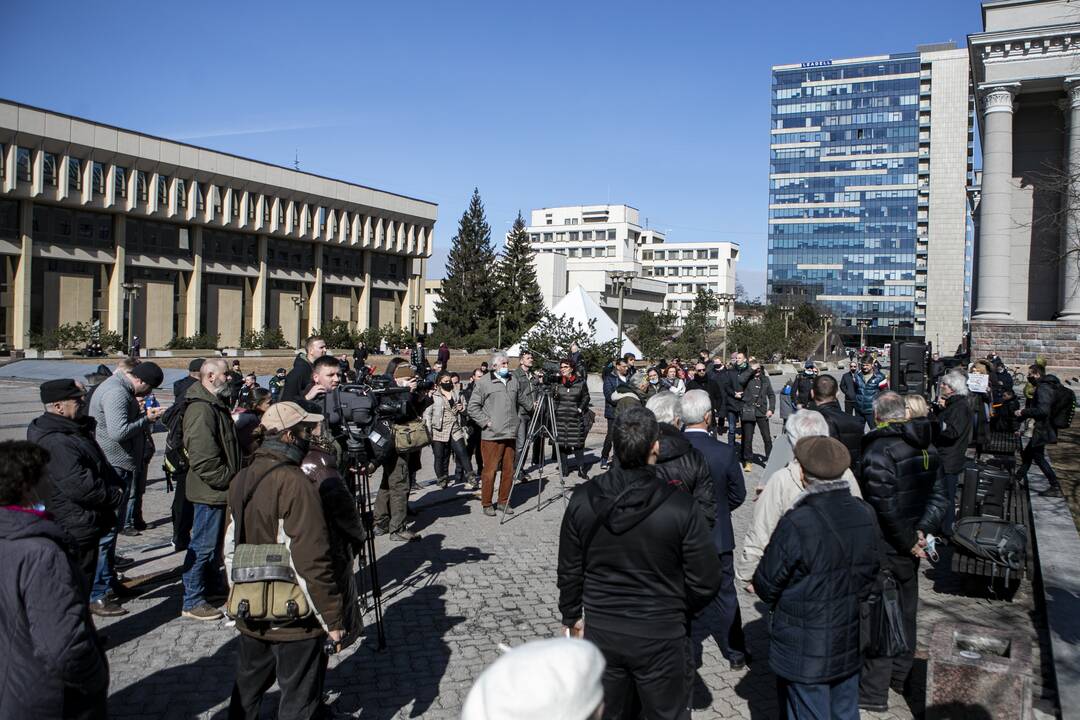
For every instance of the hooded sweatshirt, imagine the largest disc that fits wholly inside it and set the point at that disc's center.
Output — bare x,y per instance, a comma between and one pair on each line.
635,556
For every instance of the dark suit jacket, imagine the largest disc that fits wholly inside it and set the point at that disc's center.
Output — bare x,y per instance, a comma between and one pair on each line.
727,477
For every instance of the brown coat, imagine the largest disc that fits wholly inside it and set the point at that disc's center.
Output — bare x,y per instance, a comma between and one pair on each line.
285,508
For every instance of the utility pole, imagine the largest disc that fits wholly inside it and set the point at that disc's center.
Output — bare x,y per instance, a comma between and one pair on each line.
622,280
787,310
500,314
863,324
298,302
414,319
131,292
825,342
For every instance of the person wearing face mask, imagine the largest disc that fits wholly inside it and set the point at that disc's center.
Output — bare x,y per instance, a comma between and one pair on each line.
214,457
273,502
443,421
651,385
52,663
84,491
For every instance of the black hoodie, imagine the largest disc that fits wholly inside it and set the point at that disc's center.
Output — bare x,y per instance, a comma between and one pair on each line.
298,380
650,565
903,479
85,489
681,463
52,665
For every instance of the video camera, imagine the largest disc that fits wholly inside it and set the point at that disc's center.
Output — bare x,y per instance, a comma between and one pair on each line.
549,373
380,398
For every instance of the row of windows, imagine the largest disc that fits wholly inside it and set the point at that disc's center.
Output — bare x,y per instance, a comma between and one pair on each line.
813,165
687,288
861,195
51,171
845,72
839,182
684,254
683,271
892,87
827,151
806,245
573,236
852,104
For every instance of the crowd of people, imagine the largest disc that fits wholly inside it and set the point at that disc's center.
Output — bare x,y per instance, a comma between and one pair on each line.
853,494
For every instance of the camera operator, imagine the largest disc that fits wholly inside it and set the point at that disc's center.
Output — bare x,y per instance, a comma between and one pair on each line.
391,504
528,381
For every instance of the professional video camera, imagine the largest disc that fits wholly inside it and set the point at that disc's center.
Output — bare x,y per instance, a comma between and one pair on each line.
549,373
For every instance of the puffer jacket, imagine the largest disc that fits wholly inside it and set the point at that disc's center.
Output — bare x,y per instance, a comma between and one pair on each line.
952,433
821,562
904,481
571,401
867,391
345,532
86,491
778,495
212,447
651,564
681,463
285,507
52,665
758,396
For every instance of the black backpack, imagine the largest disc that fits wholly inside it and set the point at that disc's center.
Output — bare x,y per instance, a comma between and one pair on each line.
1062,407
176,460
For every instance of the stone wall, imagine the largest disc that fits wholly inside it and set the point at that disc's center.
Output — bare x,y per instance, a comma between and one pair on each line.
1018,343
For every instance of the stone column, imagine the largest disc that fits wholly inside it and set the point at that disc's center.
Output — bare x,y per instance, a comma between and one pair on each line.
115,319
1070,241
20,296
995,208
315,300
363,310
195,284
258,296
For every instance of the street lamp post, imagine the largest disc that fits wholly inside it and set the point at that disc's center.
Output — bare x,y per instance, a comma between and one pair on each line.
414,319
863,324
622,280
500,314
825,341
726,299
298,302
787,310
131,292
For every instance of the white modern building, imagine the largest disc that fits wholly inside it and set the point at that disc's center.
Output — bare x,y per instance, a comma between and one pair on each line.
432,297
585,244
690,267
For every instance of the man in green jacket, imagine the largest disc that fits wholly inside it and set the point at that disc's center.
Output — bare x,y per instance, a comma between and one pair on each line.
213,453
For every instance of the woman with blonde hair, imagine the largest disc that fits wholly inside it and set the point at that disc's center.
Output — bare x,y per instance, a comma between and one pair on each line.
917,407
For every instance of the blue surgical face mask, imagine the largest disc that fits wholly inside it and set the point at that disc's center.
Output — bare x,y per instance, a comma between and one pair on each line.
503,372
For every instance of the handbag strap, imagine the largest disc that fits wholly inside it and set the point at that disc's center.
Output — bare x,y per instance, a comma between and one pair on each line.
238,536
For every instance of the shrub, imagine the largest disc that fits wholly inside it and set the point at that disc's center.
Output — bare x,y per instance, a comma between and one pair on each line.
337,334
268,339
200,341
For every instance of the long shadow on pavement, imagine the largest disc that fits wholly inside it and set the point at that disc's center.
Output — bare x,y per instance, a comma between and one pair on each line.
181,691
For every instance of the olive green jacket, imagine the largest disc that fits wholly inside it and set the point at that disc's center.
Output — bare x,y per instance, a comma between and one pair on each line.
212,447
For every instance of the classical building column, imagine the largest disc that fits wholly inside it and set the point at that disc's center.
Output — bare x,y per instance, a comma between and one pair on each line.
363,310
115,306
315,300
20,296
193,299
258,296
995,208
1070,241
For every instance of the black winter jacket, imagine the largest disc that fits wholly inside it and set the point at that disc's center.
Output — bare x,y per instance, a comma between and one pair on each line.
52,664
848,429
86,491
802,389
682,464
847,387
952,433
651,564
1040,409
820,563
758,396
732,383
298,380
571,402
904,481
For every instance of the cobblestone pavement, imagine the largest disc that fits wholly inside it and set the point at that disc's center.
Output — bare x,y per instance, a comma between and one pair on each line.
470,585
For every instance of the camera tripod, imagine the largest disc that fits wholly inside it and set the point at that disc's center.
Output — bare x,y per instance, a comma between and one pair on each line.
541,425
358,471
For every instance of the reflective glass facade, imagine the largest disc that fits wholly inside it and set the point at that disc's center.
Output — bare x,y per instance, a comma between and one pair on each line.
843,184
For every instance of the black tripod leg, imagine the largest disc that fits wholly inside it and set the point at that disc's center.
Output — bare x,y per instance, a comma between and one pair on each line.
519,463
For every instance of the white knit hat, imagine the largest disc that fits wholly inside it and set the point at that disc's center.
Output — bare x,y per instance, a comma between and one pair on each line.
556,679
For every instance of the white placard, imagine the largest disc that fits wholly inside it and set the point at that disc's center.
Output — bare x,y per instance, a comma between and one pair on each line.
978,383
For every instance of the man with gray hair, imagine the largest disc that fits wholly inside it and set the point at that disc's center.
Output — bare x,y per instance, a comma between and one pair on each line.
729,492
679,463
779,494
952,435
904,481
495,405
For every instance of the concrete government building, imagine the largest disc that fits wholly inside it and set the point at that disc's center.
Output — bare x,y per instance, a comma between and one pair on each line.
214,243
1025,66
870,163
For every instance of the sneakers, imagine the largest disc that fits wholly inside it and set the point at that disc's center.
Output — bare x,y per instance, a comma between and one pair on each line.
203,611
130,532
489,511
443,482
504,508
1054,491
603,463
404,536
471,484
106,608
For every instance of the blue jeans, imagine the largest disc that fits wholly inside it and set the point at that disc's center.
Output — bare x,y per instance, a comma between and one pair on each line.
135,486
837,700
105,574
734,421
201,561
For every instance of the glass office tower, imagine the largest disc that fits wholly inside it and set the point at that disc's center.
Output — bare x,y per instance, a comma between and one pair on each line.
850,221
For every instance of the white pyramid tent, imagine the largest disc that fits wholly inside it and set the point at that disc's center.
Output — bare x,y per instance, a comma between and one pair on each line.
577,305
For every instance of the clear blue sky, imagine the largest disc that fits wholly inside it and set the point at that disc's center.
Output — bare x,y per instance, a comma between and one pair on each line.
663,106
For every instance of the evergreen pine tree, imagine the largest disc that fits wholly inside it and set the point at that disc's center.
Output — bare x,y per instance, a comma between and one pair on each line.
519,292
468,292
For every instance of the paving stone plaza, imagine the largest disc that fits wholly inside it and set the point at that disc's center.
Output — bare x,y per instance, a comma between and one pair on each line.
468,587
